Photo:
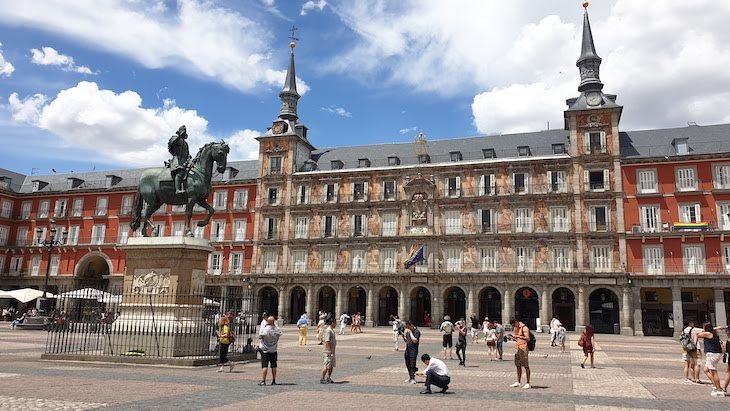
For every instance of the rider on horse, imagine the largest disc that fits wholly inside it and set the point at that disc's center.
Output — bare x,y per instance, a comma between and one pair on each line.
180,162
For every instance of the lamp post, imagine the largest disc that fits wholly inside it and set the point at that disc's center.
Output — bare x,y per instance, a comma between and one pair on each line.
49,245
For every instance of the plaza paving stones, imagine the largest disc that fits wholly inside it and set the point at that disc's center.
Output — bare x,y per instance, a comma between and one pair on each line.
632,373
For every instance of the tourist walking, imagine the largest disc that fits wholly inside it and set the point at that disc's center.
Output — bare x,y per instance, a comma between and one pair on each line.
554,324
412,337
225,339
397,330
561,337
302,324
447,327
436,374
474,328
691,352
461,342
320,327
726,360
344,320
499,330
356,321
485,325
521,335
588,342
490,335
427,319
268,345
713,355
330,343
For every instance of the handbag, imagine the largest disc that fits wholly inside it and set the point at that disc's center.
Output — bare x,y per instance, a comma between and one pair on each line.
581,342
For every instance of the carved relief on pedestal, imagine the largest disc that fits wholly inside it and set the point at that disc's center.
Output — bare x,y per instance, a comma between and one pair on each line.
151,282
420,190
419,210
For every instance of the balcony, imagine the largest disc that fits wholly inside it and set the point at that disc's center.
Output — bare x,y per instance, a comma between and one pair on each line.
679,228
530,267
681,269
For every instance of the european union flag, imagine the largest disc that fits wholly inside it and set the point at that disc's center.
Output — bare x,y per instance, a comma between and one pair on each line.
414,257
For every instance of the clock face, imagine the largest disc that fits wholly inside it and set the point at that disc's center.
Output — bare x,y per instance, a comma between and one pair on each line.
278,128
593,99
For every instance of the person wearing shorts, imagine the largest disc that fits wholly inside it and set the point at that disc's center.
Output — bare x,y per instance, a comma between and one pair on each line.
330,342
474,329
499,329
269,341
713,355
522,360
447,327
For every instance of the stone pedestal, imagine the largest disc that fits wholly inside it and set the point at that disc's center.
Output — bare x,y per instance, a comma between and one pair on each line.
162,307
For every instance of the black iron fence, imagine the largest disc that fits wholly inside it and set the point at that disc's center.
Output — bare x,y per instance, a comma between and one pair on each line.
151,321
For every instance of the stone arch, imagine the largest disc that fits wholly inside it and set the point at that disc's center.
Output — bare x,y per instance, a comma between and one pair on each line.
604,310
490,304
297,303
326,300
420,298
93,270
388,300
527,306
564,304
268,297
357,300
454,300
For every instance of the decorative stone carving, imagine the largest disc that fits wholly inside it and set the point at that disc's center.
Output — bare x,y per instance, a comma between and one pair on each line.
151,283
419,209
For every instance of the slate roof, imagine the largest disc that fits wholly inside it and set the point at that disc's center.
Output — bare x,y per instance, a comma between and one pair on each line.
16,179
712,139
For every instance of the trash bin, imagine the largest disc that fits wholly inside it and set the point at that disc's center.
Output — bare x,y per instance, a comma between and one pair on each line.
616,328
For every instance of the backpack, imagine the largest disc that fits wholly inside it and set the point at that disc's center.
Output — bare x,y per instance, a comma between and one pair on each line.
348,320
447,328
531,342
685,339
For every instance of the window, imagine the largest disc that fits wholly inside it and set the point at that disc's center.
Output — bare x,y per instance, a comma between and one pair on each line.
424,158
690,213
393,161
273,197
25,210
101,206
6,209
559,149
487,185
726,257
360,191
215,263
78,207
596,180
73,235
37,185
198,232
336,164
452,221
680,144
271,228
329,260
390,225
126,205
302,194
686,180
455,156
2,260
601,258
55,264
35,265
239,230
359,225
358,261
647,181
489,153
16,264
594,142
43,207
235,263
220,200
299,261
240,199
328,226
178,229
523,151
363,163
178,208
723,216
422,266
650,219
558,181
598,218
98,232
389,192
60,208
275,165
653,259
271,260
520,183
453,259
301,227
330,192
523,220
524,259
489,259
388,260
559,220
158,229
452,186
722,176
4,233
123,233
694,259
561,259
218,230
21,237
486,219
39,235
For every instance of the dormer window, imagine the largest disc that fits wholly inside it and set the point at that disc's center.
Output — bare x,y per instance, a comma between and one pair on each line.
230,173
489,153
111,180
455,156
38,185
5,182
274,165
559,148
337,164
424,158
73,182
363,163
681,145
393,161
523,151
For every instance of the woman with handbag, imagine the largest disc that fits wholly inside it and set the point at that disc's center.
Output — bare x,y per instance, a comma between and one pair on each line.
225,339
490,334
588,342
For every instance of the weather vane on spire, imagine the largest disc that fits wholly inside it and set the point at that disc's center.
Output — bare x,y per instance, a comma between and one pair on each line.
293,31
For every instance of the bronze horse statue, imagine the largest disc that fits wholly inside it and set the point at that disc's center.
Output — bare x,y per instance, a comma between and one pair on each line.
156,187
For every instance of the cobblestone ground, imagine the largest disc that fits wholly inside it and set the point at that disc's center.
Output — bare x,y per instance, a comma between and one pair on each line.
631,373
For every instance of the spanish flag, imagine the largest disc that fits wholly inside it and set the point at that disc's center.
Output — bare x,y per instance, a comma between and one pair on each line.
414,257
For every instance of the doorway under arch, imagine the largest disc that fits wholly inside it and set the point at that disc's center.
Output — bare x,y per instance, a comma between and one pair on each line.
490,304
421,306
564,307
387,304
356,301
604,311
269,301
93,272
297,304
527,307
326,301
455,303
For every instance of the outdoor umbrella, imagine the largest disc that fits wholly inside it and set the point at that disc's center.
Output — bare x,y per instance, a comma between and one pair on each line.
86,294
5,294
28,294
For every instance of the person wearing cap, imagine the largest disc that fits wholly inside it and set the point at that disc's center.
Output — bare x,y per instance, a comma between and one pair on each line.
447,327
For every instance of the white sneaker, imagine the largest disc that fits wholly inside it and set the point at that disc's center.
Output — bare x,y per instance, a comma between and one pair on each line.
721,394
220,369
412,381
526,386
408,380
515,385
714,393
231,369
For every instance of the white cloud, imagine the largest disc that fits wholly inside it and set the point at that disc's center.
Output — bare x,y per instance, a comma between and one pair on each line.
408,130
312,5
48,56
518,57
117,126
6,69
340,111
196,37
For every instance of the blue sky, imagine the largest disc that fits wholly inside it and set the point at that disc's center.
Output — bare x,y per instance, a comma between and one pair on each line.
374,71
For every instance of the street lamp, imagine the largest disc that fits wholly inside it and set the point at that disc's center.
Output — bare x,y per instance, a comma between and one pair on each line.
49,244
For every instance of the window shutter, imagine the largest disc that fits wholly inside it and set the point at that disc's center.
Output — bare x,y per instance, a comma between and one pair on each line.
492,187
365,190
364,225
337,191
352,224
458,185
586,180
513,183
549,181
323,223
606,180
586,143
446,187
299,193
608,218
481,186
324,194
603,142
352,190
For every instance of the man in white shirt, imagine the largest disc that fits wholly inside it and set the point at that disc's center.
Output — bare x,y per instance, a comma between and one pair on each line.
343,322
436,373
554,325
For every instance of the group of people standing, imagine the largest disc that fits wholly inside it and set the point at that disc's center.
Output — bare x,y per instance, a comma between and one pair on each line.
698,342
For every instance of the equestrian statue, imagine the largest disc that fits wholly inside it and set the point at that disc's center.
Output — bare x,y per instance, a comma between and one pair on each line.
183,181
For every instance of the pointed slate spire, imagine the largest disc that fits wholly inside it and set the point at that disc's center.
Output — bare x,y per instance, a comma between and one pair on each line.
588,63
289,95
